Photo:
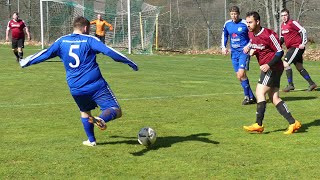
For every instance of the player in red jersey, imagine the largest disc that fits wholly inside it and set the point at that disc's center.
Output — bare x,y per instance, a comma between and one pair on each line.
266,47
295,38
17,26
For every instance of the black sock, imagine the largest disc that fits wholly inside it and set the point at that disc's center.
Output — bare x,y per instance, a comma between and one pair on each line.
16,53
21,55
289,76
261,108
284,111
304,73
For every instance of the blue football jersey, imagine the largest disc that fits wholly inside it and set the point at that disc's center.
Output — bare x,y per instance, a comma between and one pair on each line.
78,54
238,34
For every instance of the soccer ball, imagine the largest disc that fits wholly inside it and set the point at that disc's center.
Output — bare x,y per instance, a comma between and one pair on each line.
147,136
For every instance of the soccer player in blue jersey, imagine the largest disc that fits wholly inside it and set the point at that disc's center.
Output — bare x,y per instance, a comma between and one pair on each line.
237,30
87,86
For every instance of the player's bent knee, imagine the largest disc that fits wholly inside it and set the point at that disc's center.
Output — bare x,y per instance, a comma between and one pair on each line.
299,67
287,67
119,112
275,101
111,114
241,76
286,64
115,112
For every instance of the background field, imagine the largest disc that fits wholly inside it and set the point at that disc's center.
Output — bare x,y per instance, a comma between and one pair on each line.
192,101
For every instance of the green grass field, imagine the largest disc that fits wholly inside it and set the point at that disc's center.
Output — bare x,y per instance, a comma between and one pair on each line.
192,101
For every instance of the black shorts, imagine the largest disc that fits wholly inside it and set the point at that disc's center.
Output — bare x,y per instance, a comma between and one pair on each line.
102,38
270,78
294,55
17,43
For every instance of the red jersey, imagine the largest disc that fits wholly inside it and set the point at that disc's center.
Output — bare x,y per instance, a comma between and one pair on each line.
16,28
291,34
266,44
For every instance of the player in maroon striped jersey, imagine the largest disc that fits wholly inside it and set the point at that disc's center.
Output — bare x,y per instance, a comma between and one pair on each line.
17,27
295,38
266,47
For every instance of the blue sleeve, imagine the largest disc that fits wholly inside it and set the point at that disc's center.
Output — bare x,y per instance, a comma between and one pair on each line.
98,46
224,37
43,55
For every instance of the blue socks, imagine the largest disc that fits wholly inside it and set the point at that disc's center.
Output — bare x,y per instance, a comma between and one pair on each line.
108,114
306,76
89,129
289,76
246,88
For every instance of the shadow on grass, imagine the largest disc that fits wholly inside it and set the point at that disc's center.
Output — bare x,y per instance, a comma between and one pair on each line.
50,61
306,89
163,142
298,98
294,98
303,129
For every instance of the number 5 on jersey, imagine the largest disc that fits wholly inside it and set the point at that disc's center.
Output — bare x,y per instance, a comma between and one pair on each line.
75,56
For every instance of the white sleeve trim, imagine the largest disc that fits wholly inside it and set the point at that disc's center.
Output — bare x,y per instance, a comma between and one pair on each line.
275,42
303,32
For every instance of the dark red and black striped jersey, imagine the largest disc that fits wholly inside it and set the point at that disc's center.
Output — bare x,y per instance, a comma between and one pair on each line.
16,28
293,34
266,44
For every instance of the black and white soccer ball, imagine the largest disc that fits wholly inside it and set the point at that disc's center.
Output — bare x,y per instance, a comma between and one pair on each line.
147,136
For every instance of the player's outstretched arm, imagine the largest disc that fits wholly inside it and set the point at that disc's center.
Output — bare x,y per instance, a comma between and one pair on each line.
114,54
109,25
117,56
39,57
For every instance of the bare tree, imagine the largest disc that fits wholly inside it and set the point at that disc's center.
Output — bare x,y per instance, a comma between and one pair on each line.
266,4
275,15
277,6
282,5
304,7
301,11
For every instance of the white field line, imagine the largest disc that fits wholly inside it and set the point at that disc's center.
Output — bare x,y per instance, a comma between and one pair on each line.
9,48
120,99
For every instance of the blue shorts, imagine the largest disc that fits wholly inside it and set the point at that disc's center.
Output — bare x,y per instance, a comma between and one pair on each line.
240,60
104,98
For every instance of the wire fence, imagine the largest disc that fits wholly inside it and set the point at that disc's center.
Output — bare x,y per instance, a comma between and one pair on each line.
197,24
185,24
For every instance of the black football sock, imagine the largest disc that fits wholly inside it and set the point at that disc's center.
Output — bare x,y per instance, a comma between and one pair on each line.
16,54
284,111
21,55
304,73
261,108
289,76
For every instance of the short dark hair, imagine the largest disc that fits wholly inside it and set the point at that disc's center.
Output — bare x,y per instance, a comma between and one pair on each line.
285,10
15,13
255,15
234,9
80,22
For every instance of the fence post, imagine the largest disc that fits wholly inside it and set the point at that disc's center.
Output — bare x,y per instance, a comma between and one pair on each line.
208,35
